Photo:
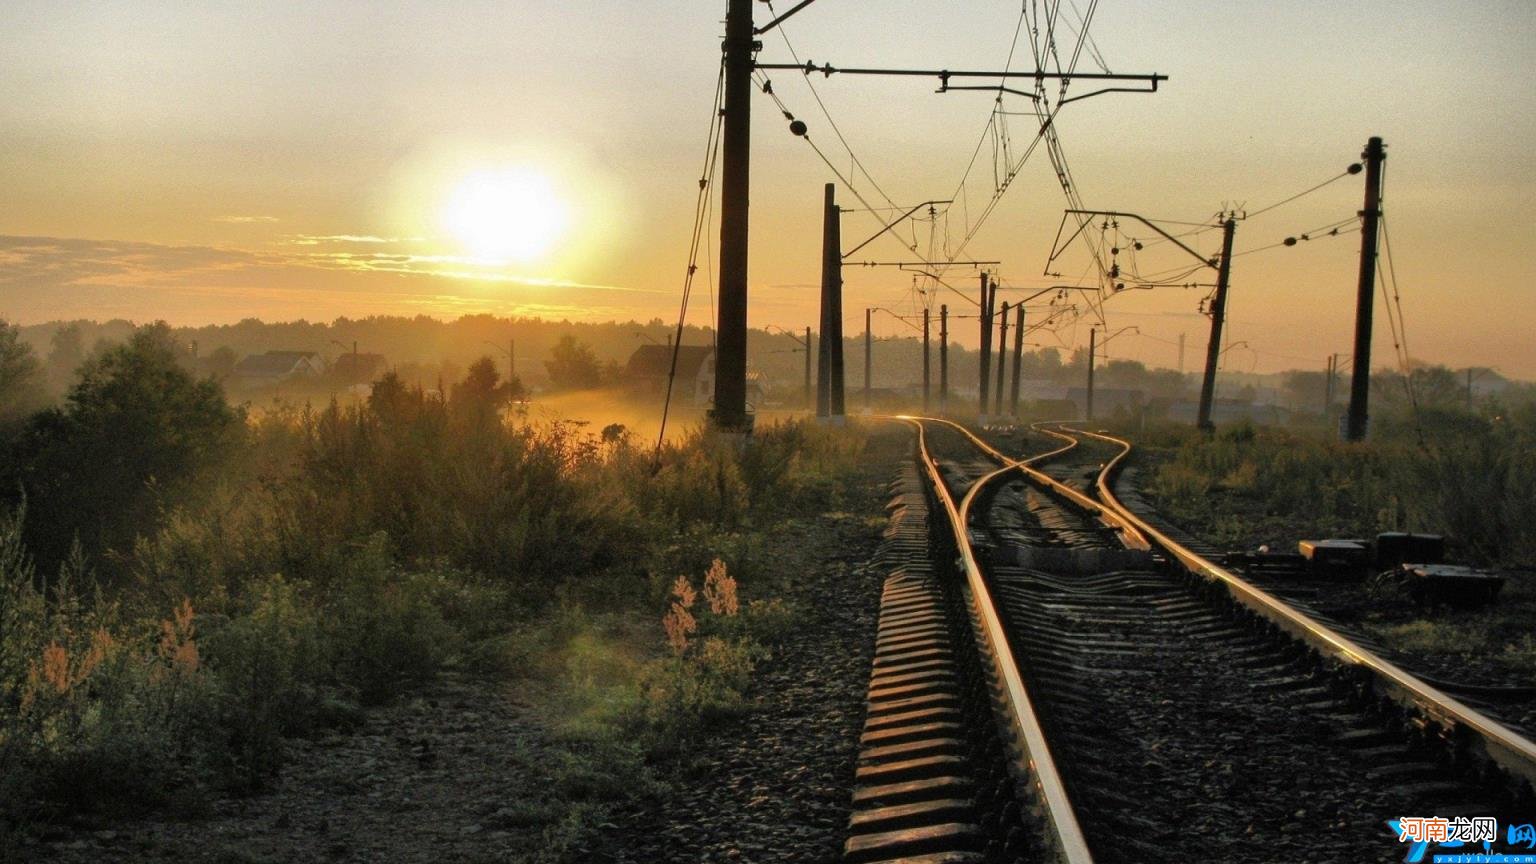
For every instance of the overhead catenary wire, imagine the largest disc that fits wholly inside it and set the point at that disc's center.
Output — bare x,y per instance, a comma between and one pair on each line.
703,206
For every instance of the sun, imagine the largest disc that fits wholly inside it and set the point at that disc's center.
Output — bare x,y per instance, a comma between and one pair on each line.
509,214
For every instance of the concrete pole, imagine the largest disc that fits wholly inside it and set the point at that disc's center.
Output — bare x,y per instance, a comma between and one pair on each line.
1218,315
943,358
1002,355
730,411
925,359
1360,378
1018,359
1092,350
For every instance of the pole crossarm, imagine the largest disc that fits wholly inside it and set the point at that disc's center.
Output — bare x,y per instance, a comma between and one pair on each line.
944,75
892,224
905,264
758,31
1058,247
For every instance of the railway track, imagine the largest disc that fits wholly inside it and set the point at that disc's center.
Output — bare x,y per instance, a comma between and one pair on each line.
1140,703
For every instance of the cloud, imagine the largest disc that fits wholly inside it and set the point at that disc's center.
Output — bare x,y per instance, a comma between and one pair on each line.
42,278
319,239
248,220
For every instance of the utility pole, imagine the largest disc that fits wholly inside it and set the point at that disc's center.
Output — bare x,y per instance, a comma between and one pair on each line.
1181,355
925,359
1218,315
829,393
868,342
1360,379
1002,355
1018,358
730,411
943,358
1093,333
1328,388
809,405
984,367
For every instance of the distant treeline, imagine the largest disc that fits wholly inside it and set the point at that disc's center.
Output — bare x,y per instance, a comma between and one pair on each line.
423,350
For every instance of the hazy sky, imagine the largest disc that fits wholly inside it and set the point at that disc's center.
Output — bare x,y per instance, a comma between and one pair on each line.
207,161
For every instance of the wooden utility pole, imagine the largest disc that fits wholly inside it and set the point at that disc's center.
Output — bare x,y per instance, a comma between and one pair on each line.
1018,359
943,358
925,359
1002,355
1218,316
730,411
1360,377
1093,349
984,365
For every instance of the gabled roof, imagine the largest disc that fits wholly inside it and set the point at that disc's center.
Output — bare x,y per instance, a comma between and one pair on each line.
358,364
272,364
655,361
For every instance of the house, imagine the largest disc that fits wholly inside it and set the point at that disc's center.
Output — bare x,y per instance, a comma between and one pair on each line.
275,366
355,368
650,365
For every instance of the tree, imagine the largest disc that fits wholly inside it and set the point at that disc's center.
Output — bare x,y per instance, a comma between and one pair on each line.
136,430
20,376
573,366
66,354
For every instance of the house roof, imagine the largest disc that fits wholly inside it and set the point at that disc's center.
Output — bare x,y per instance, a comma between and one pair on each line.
272,363
358,363
655,361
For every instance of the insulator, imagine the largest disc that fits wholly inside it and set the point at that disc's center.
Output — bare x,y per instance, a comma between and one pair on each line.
798,128
1290,241
1355,168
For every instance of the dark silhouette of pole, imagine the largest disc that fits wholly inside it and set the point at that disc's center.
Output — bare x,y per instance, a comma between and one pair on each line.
730,411
925,359
1360,378
831,272
1092,350
868,344
1218,316
1328,389
808,403
835,314
984,365
1018,358
943,358
1002,355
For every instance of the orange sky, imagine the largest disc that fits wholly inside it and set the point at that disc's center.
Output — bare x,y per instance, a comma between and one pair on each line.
204,162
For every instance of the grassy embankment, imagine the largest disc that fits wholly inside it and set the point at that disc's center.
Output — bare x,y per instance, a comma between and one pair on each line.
1471,478
274,576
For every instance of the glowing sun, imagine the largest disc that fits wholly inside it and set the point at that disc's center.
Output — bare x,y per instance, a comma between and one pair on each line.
509,214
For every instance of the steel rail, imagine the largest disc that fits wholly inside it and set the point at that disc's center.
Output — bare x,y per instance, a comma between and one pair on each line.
1506,748
1130,535
1065,836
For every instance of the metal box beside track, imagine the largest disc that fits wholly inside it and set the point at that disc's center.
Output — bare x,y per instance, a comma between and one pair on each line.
1449,584
1395,548
1336,557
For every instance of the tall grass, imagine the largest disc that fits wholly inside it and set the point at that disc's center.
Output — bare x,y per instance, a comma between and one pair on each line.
351,552
1470,478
